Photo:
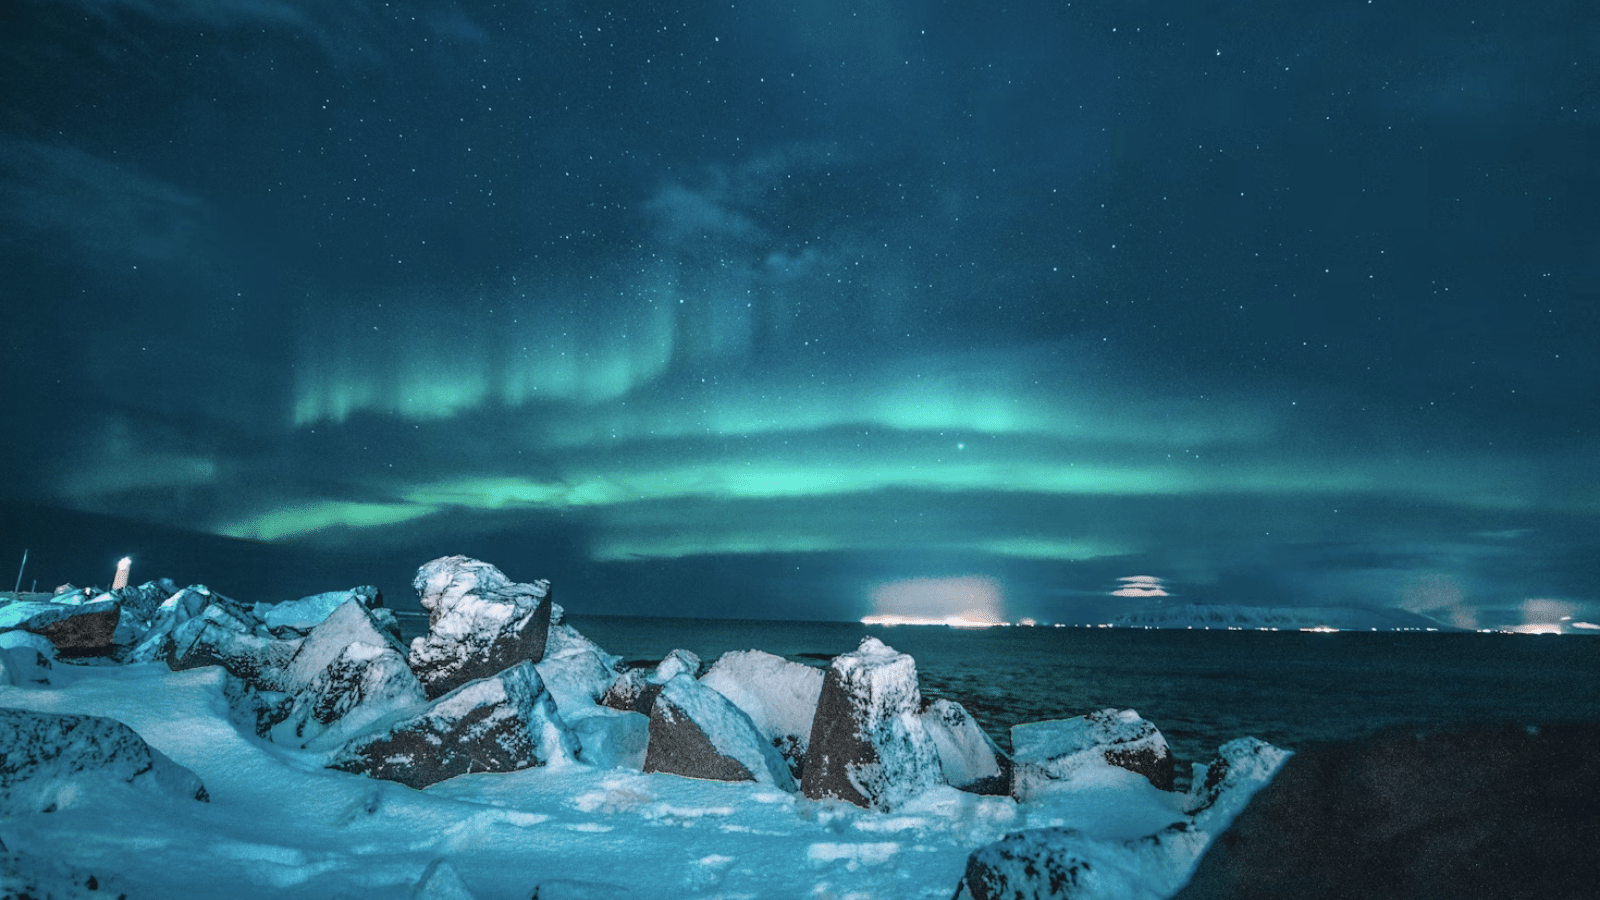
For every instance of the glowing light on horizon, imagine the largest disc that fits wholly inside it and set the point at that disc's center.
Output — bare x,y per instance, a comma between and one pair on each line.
120,581
971,600
1140,586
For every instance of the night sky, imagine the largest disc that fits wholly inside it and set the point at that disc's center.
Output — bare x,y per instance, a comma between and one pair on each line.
816,309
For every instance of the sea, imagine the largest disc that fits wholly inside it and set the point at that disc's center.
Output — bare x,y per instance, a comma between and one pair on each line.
1200,688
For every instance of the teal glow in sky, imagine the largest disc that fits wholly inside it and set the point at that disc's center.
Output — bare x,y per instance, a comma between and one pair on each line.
757,311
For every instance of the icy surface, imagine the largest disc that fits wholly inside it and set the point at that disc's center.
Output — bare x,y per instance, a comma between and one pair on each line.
966,755
779,696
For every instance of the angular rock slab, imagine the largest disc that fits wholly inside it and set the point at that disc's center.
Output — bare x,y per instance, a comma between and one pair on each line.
74,629
635,690
479,622
48,761
868,746
1488,812
968,759
696,732
296,618
257,660
779,696
1048,751
499,724
364,684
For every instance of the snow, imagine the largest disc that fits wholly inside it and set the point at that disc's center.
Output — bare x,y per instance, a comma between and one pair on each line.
582,822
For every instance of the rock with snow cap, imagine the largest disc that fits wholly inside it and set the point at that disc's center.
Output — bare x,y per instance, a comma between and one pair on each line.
868,746
779,696
28,656
479,622
155,643
1048,751
635,690
575,670
968,759
207,641
295,618
74,629
1067,864
698,733
50,761
350,623
365,684
498,724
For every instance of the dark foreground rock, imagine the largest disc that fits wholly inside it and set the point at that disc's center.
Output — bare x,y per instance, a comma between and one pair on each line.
779,696
868,745
498,724
1483,812
49,761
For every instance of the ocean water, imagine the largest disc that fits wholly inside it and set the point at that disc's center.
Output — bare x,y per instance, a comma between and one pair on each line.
1200,688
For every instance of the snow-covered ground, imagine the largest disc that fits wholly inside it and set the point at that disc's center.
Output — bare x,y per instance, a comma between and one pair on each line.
278,822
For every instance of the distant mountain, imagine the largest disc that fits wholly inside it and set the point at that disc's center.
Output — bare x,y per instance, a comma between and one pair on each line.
1284,618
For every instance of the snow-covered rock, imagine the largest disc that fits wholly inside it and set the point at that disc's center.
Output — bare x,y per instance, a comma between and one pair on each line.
50,762
363,685
968,759
868,745
155,641
697,732
497,724
479,622
635,690
440,881
1067,864
74,629
779,696
575,670
350,623
28,656
297,617
1047,751
207,641
1221,788
612,739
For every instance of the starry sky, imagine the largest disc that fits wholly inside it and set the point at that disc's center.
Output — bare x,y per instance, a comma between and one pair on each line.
818,309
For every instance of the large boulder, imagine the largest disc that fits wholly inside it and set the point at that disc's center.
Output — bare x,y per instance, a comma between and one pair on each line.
575,670
698,733
365,684
296,618
968,759
498,724
154,643
50,761
1487,812
74,629
479,622
779,696
1043,752
27,656
868,745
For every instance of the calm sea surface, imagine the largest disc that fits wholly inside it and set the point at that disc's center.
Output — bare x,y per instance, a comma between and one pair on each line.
1200,688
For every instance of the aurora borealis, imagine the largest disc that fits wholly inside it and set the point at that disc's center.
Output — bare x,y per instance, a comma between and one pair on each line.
770,310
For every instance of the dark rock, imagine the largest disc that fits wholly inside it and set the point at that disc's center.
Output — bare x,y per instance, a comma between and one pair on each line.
75,630
867,744
497,724
479,622
1049,751
635,690
50,761
1485,812
696,732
